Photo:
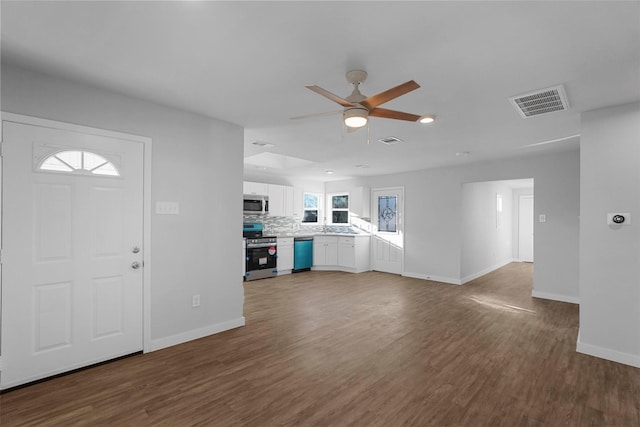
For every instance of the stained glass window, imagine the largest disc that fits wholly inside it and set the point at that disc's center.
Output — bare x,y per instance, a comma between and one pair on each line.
387,214
84,162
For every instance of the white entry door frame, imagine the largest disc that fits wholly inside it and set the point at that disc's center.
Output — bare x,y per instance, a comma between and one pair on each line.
387,238
145,144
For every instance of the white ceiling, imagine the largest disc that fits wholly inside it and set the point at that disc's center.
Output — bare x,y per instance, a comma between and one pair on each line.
248,62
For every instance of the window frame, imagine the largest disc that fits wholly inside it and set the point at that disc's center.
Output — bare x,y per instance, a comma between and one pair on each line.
331,209
317,208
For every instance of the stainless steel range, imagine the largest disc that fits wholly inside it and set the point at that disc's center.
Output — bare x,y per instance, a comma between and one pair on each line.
261,252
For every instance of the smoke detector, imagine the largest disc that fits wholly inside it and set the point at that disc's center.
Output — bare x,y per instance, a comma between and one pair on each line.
541,101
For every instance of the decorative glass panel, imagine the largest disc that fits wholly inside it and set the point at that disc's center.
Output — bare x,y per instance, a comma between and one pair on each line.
340,202
55,164
82,162
387,214
106,169
72,158
92,161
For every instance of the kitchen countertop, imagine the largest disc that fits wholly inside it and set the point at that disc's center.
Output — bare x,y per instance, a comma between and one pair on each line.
320,233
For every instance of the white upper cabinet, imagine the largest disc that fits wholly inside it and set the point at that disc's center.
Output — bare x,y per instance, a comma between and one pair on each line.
360,202
298,195
255,188
278,200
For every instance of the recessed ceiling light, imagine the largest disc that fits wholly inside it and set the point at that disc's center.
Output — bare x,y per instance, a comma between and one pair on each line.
427,119
462,153
390,140
263,144
328,172
361,166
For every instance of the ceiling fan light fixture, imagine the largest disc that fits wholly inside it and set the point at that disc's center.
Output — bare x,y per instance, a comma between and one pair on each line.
355,117
427,119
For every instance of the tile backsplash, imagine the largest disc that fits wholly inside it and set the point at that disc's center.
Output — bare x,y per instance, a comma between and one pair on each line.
275,225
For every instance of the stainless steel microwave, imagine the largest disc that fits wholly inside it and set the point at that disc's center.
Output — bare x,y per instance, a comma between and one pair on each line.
255,205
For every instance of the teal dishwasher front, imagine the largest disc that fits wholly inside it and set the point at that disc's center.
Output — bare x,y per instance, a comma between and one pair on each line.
302,253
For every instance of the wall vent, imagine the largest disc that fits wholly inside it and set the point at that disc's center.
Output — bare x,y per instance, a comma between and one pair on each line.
541,101
390,140
263,144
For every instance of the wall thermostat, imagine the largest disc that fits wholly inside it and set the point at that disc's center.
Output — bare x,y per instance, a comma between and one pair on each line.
620,218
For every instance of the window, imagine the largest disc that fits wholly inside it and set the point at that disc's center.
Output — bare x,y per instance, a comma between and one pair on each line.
310,208
84,162
339,208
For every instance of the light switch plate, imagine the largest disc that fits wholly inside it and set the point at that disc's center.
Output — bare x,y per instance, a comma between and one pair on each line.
626,221
167,208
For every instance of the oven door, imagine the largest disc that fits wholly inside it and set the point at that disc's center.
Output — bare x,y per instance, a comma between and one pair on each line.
262,257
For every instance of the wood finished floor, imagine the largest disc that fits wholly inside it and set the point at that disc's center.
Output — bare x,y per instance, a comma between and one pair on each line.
371,349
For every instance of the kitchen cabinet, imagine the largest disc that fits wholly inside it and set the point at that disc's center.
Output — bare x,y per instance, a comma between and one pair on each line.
353,253
255,188
342,253
281,200
360,202
325,251
297,209
276,200
284,262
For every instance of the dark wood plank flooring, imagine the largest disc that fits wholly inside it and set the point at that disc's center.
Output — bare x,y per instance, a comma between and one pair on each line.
370,349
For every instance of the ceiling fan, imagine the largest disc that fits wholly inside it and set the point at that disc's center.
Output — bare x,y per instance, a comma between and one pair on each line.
358,108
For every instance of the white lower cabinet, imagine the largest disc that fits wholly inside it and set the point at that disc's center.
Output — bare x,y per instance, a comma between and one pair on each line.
343,253
284,262
325,251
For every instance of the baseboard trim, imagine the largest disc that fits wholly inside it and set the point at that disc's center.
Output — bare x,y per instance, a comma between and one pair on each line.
442,279
608,354
486,270
194,334
555,297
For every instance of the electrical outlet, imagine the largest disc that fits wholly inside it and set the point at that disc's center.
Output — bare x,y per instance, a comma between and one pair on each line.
195,301
167,208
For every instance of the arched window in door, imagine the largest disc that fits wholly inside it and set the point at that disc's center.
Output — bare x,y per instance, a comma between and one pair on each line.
82,162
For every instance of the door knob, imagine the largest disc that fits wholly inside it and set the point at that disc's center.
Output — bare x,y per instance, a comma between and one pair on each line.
135,265
135,249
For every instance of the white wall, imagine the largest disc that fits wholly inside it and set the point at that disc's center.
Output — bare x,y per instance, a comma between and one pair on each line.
433,217
515,221
486,241
610,255
198,162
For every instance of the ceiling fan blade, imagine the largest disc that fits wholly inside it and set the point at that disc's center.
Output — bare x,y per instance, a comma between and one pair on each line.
331,96
308,116
388,95
392,114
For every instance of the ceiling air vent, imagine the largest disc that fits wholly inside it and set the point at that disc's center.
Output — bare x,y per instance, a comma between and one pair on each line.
263,144
541,101
390,140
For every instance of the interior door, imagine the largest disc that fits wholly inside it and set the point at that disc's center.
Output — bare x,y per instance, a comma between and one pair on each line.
388,230
72,278
525,229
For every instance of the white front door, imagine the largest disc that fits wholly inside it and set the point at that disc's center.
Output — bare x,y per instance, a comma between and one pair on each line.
525,229
388,229
72,280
